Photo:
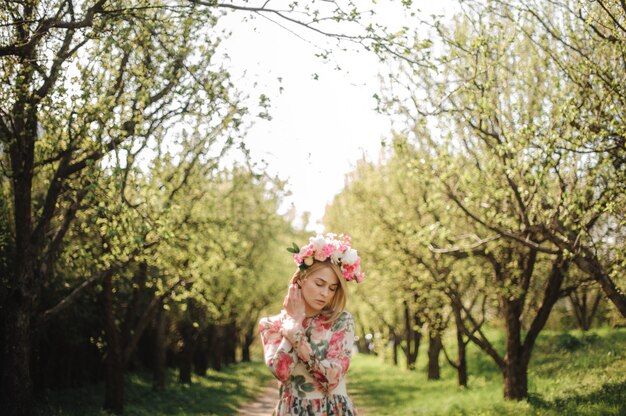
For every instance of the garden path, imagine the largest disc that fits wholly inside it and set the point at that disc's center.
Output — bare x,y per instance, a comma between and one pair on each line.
263,404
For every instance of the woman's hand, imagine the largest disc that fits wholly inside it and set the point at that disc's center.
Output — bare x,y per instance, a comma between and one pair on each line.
293,303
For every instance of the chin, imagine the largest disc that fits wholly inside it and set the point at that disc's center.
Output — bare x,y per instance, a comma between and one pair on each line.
315,307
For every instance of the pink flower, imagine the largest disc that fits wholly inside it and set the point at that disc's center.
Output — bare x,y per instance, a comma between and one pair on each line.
333,375
282,366
320,256
336,344
307,251
337,337
319,330
333,247
334,351
344,362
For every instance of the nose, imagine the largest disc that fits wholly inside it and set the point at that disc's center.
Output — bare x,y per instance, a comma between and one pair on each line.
325,291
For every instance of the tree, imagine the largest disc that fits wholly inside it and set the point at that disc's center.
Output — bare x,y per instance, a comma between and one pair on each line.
491,107
85,80
401,212
94,83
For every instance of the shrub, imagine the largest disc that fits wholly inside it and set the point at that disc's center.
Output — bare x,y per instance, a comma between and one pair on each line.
567,342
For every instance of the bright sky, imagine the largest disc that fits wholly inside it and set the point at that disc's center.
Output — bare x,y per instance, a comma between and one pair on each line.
320,128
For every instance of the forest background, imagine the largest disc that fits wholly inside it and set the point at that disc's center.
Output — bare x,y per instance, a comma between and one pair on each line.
137,234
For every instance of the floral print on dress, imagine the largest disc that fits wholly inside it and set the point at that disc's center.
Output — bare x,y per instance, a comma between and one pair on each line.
312,374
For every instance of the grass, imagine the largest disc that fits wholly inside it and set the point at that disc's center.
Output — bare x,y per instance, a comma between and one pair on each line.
569,374
217,393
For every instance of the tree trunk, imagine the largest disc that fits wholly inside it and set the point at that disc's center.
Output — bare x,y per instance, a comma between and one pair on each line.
184,368
515,380
16,377
201,356
247,341
412,337
583,313
588,263
21,291
461,364
514,373
230,343
216,344
395,340
362,343
417,338
160,351
134,309
186,354
114,378
434,348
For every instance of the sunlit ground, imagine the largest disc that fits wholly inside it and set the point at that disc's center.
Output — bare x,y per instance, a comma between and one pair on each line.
570,374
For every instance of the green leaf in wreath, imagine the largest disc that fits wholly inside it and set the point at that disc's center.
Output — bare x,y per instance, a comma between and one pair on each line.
293,249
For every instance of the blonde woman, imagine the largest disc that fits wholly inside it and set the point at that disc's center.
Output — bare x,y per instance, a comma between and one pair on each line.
309,344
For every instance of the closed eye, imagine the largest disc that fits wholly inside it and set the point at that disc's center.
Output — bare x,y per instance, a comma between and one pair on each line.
332,288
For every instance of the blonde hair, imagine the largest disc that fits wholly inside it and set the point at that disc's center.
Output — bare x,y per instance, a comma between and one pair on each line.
338,304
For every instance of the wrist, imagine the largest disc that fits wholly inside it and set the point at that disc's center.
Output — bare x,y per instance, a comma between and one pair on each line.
298,317
291,329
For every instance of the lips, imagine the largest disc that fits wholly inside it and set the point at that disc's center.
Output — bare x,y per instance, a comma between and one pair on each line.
322,302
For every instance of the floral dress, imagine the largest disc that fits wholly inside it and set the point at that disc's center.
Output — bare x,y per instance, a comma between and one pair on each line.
312,372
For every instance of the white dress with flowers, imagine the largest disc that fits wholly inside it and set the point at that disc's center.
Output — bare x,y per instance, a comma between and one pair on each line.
317,386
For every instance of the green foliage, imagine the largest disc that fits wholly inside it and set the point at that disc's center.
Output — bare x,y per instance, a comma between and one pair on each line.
493,181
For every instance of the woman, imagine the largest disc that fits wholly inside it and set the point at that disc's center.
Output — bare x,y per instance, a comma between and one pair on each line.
308,345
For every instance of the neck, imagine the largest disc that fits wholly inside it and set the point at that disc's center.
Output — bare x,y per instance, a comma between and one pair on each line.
308,311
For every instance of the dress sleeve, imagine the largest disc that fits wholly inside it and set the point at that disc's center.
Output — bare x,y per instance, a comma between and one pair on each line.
328,372
279,355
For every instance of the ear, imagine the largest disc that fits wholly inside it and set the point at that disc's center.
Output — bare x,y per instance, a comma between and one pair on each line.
296,278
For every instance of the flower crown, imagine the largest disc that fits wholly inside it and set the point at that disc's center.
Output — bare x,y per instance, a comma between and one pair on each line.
335,248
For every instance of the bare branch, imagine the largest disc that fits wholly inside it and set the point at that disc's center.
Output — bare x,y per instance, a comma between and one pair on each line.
479,242
524,240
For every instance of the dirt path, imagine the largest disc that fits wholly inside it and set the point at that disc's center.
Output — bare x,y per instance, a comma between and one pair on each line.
263,405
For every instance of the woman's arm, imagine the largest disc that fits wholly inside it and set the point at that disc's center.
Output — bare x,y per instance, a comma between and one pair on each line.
279,354
330,370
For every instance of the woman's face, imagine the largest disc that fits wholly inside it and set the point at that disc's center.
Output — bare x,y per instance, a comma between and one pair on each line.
318,290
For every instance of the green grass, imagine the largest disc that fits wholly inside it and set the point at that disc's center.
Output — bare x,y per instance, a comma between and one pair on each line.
217,393
569,374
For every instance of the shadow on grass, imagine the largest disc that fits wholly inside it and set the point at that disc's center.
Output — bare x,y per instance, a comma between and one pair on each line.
216,393
610,398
